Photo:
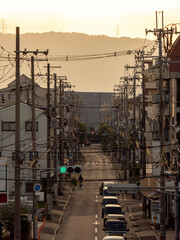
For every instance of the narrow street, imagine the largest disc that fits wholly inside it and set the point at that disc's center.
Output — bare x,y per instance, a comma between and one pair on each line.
82,218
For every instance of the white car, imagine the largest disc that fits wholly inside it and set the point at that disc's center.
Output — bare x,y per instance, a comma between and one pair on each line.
104,184
113,238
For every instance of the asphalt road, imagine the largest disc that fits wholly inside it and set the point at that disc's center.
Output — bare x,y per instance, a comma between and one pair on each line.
82,219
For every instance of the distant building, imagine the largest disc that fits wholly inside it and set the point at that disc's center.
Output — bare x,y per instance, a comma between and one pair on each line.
93,107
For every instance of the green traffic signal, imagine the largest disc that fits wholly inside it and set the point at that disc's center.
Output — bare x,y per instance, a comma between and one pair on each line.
63,169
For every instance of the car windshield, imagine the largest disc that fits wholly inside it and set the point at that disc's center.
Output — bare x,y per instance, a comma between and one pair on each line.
110,201
113,210
116,226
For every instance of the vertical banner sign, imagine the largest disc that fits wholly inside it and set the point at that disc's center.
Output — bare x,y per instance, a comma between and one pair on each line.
3,175
3,181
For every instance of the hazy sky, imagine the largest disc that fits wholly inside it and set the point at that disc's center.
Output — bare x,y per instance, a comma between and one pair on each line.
87,16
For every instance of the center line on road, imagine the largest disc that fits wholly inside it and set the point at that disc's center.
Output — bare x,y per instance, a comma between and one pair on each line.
96,216
96,238
95,230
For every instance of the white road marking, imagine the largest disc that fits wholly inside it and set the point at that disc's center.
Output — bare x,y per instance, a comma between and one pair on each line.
96,216
96,238
95,230
96,223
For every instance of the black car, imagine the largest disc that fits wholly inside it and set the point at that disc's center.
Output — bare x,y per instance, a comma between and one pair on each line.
116,228
86,143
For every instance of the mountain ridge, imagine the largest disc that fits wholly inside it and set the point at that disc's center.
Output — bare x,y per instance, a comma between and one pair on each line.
88,75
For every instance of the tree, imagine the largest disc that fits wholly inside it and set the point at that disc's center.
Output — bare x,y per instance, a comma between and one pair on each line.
7,221
83,132
108,137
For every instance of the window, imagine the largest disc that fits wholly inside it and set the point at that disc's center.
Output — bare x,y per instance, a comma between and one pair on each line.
8,126
29,187
31,156
28,126
10,96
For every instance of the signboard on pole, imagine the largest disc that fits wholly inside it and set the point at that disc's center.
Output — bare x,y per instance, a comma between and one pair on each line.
3,180
3,175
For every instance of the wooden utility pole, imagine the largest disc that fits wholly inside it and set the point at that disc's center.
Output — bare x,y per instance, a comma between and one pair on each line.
161,125
134,130
55,141
159,33
143,120
35,227
17,210
61,131
49,190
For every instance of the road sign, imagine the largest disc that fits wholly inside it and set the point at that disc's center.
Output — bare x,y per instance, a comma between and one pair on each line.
37,187
148,182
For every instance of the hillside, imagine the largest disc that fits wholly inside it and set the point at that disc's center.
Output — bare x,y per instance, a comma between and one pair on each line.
88,75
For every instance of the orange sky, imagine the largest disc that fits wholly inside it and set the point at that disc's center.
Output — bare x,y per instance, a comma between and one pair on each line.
87,16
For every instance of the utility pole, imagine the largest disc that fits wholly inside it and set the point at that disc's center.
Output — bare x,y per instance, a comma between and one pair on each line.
49,190
159,33
61,128
35,226
134,128
17,210
143,162
161,123
176,185
55,141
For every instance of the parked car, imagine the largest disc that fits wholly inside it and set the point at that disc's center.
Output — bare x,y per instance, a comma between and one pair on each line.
116,228
87,143
113,238
114,216
112,209
108,200
104,184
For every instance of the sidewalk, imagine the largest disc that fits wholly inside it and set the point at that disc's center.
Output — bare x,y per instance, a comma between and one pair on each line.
51,227
143,226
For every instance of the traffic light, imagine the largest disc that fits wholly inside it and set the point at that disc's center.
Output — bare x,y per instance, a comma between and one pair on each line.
77,169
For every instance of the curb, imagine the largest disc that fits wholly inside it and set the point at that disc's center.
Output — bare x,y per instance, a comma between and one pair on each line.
132,221
61,216
157,237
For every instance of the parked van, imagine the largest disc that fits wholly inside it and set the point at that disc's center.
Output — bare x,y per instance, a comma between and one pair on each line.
114,216
113,238
108,200
104,184
112,209
116,228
